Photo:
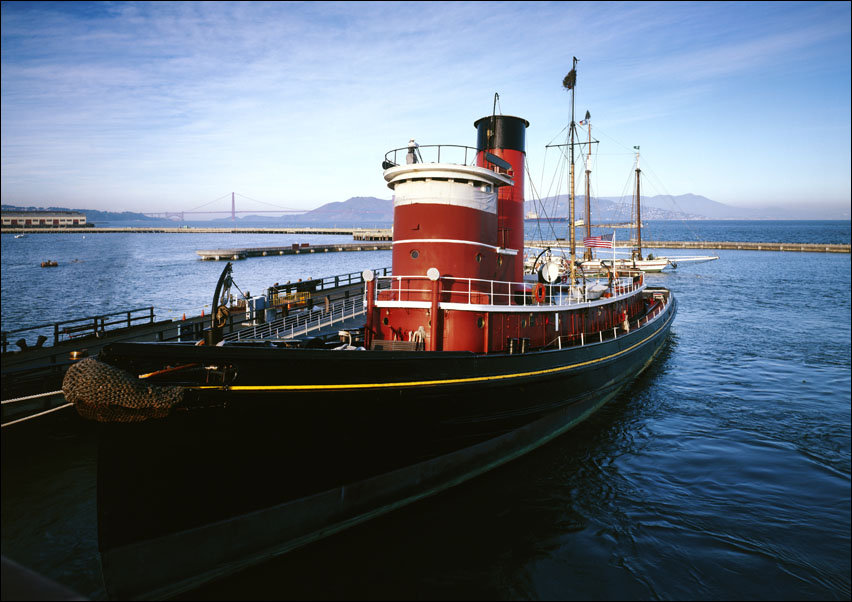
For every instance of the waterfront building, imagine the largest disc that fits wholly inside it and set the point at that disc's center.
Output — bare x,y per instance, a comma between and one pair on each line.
43,219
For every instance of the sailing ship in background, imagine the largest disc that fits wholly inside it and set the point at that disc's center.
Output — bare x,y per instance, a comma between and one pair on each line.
544,260
650,263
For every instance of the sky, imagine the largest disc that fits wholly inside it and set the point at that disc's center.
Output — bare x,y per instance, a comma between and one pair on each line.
171,106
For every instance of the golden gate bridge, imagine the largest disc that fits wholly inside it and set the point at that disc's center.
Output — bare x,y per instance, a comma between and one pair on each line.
180,215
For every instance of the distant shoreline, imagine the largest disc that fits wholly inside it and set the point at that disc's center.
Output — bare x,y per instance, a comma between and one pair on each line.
375,234
188,230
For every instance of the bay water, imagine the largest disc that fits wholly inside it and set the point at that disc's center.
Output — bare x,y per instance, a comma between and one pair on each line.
722,472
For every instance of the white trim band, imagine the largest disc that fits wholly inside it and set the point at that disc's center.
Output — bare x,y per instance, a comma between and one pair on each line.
499,250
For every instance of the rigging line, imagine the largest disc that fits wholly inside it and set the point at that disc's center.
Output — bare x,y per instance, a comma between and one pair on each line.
620,212
535,194
538,206
542,207
536,199
670,198
541,199
558,178
618,142
556,136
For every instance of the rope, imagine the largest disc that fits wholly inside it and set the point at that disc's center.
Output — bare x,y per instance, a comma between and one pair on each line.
40,395
108,394
50,411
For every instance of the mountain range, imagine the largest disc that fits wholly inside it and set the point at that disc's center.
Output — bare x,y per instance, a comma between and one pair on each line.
375,212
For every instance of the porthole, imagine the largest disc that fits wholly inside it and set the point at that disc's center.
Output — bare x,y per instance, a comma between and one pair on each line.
480,322
414,253
385,321
479,258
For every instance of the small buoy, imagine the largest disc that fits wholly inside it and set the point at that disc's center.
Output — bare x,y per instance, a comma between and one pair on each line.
202,312
184,315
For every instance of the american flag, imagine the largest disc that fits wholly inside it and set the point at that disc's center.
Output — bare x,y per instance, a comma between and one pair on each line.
604,241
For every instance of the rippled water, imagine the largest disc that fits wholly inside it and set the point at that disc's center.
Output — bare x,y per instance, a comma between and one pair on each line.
102,273
723,472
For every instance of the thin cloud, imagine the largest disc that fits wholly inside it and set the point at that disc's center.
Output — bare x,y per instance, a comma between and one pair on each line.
196,95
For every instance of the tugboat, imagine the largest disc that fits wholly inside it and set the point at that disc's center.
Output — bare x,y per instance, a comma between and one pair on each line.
216,456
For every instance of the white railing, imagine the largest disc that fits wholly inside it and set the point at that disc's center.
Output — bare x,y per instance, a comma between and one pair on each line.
303,322
472,291
586,338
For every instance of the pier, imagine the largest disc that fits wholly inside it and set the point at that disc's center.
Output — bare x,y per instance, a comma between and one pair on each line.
379,244
383,238
342,231
294,249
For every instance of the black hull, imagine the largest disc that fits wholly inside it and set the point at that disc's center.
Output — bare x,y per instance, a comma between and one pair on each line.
251,473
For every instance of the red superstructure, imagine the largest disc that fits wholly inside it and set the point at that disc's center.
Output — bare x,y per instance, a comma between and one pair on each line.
458,282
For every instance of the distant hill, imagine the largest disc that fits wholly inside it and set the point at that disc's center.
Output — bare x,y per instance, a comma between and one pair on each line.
607,209
681,207
374,212
92,215
357,211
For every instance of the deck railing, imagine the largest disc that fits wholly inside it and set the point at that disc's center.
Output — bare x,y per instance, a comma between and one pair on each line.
433,153
80,327
586,338
302,323
473,291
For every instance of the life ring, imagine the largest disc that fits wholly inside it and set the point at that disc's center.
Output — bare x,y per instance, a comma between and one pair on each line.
539,293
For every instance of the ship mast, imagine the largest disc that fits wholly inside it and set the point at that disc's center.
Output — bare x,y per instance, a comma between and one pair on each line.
637,251
587,255
569,83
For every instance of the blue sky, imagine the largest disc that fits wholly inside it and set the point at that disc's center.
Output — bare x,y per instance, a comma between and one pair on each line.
167,106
